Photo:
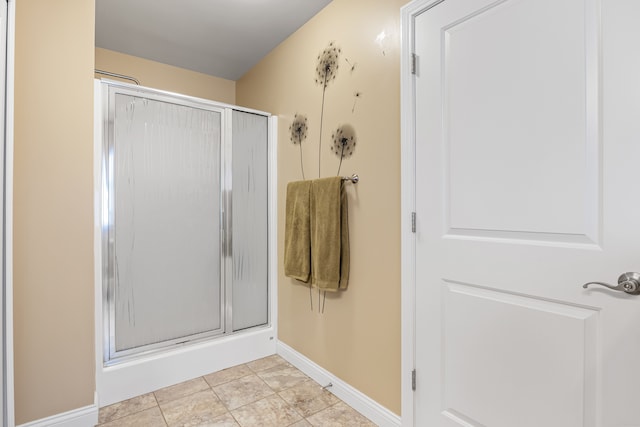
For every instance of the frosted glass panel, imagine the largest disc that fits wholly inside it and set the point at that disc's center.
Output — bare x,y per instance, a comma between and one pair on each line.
249,219
166,231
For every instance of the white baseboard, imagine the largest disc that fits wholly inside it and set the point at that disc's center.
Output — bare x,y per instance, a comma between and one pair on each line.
354,398
81,417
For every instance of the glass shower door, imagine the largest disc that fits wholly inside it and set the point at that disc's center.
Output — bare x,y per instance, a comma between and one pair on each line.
249,202
164,236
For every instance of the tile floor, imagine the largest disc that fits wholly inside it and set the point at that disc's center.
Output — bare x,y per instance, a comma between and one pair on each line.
267,392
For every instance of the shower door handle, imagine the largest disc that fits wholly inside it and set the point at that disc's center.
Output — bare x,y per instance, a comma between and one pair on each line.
627,282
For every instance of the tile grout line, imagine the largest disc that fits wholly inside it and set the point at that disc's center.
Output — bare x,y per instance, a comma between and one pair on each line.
231,380
274,393
228,411
132,413
164,418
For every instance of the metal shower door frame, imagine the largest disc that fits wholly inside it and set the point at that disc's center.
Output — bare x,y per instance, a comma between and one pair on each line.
110,354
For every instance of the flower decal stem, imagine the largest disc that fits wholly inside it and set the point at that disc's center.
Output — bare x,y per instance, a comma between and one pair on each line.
324,88
326,70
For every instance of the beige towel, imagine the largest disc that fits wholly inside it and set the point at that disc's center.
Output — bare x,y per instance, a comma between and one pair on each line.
297,237
329,234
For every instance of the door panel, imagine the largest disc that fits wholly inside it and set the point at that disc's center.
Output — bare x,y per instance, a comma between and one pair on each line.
543,351
165,200
524,120
510,88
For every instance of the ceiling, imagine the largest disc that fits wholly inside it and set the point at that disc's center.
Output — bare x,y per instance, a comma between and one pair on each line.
222,38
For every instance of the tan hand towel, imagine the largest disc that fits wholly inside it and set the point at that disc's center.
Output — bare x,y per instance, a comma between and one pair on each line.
329,234
297,237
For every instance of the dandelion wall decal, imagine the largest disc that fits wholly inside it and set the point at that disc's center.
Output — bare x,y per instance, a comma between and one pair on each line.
344,143
327,66
353,66
326,70
298,129
298,133
343,138
356,95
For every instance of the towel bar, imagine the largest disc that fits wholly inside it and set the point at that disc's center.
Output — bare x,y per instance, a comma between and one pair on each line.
353,178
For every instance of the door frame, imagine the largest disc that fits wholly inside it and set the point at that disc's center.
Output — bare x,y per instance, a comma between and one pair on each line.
7,261
408,14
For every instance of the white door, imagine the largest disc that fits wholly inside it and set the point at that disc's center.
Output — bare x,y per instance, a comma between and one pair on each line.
527,141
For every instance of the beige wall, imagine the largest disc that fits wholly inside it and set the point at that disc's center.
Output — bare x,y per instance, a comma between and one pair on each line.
166,77
358,336
53,201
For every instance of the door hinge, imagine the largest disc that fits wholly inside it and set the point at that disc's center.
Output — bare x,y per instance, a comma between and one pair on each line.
413,222
414,60
413,380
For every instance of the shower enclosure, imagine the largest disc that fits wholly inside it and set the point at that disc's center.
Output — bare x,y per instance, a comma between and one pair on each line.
184,221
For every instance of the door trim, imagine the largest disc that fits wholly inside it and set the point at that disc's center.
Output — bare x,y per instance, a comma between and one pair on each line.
8,217
408,14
